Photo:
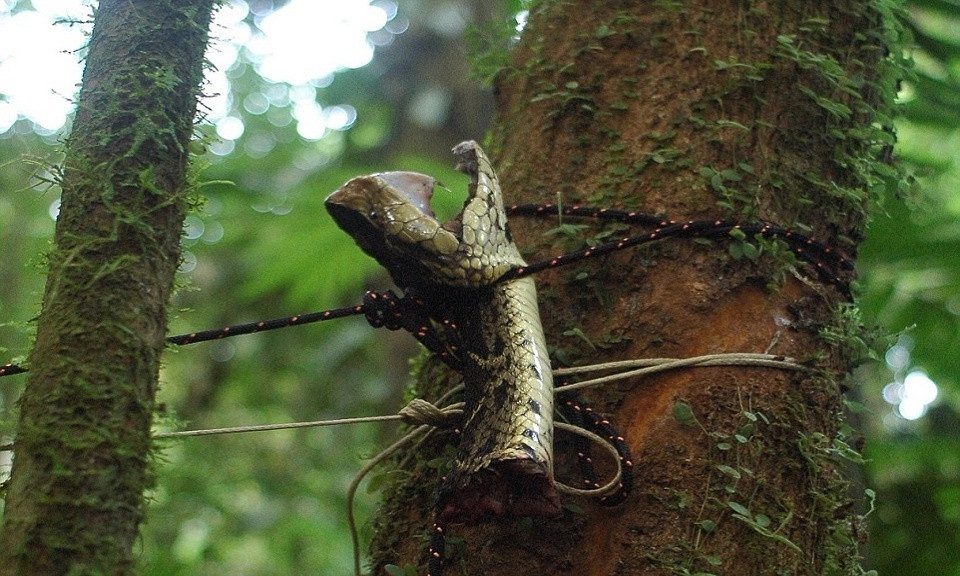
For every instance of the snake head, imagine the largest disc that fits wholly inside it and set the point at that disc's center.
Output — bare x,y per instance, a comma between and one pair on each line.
389,216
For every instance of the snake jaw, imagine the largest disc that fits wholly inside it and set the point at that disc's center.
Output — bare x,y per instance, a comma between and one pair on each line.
389,216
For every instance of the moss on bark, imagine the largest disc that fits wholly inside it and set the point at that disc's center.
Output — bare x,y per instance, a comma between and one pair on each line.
82,450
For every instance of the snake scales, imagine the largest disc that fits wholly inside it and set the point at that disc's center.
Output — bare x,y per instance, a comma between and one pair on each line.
504,463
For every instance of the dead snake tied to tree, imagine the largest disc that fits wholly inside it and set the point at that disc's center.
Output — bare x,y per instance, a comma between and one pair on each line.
504,464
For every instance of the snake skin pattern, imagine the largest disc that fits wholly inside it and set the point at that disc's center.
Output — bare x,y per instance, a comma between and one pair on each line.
504,464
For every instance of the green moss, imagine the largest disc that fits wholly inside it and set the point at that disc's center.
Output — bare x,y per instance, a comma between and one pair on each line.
83,438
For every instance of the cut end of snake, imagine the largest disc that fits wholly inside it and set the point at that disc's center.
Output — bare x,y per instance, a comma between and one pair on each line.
511,488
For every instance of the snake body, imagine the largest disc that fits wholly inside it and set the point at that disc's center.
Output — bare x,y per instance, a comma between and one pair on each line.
504,463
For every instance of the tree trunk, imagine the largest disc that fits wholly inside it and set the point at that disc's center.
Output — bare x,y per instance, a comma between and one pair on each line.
696,109
82,450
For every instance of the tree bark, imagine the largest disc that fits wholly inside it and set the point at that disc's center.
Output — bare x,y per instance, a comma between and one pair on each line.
82,451
696,109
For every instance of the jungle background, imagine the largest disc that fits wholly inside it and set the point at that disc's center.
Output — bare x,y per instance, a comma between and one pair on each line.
303,95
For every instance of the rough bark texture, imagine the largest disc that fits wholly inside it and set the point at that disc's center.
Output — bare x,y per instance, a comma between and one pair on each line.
696,109
82,450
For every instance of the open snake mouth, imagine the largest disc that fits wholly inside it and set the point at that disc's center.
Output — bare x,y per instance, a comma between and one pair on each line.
416,188
358,197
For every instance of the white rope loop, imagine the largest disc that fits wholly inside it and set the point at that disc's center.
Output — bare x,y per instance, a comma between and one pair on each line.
608,488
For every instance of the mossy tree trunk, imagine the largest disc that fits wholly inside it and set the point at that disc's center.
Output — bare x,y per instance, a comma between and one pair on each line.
81,464
696,109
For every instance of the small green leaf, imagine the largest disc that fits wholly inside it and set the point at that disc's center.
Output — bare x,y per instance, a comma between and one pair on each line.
729,471
713,560
683,414
854,406
739,508
578,333
567,230
375,483
762,519
731,175
707,525
437,463
723,446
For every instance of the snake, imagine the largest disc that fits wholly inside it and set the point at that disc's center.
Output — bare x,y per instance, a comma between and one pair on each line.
504,461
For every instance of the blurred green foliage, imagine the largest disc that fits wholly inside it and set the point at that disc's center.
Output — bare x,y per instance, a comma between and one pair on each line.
910,267
262,246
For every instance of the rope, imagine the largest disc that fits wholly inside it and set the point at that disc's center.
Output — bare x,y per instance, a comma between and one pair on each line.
417,409
284,426
355,483
607,488
422,412
428,417
664,364
710,360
